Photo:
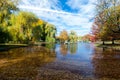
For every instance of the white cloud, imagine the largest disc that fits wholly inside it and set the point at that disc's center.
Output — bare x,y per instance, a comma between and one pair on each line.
51,10
47,4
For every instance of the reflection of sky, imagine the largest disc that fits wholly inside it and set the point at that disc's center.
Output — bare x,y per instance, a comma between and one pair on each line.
80,60
83,53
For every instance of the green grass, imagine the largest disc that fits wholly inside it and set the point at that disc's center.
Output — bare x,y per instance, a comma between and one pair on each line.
108,44
7,46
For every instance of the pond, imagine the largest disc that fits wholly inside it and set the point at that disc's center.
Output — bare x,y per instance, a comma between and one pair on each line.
79,61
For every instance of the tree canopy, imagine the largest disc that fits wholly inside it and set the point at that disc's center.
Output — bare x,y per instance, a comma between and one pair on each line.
106,24
21,26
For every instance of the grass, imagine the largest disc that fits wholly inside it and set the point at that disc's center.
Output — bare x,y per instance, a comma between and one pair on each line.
7,46
108,44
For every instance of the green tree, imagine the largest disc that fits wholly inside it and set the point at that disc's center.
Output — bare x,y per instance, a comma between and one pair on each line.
25,21
50,32
73,36
108,11
37,30
107,22
4,35
7,7
21,26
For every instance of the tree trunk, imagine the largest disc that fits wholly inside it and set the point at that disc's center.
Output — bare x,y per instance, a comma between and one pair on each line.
103,43
113,41
103,49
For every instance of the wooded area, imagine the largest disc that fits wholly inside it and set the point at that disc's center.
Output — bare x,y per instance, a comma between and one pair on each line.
18,26
106,26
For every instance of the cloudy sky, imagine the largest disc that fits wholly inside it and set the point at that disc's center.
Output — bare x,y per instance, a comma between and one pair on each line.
74,15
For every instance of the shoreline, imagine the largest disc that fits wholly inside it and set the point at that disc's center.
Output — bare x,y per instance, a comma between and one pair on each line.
5,47
115,47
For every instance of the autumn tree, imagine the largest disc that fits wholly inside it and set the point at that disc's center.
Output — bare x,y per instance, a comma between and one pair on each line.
106,25
22,24
108,12
86,37
64,36
23,27
7,7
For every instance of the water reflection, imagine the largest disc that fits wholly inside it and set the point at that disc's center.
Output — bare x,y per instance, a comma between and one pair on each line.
73,48
59,61
68,48
76,58
89,60
64,49
106,63
50,46
23,63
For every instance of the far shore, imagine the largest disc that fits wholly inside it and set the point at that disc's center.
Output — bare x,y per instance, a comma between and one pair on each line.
6,46
109,45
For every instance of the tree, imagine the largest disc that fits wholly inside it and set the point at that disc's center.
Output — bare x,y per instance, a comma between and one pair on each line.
7,7
86,37
107,25
25,21
4,35
64,36
50,32
73,36
37,30
24,27
108,11
113,21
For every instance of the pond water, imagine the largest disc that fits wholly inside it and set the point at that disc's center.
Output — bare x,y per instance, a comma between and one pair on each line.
79,61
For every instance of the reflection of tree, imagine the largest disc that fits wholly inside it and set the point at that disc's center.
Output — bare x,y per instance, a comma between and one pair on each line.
26,65
50,46
73,48
63,49
106,64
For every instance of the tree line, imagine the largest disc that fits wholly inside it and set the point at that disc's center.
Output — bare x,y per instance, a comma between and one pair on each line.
106,26
72,37
67,37
18,26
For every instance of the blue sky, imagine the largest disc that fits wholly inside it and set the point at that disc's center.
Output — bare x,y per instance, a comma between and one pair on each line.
64,14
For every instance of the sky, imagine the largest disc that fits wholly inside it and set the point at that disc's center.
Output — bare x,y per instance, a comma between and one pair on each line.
76,15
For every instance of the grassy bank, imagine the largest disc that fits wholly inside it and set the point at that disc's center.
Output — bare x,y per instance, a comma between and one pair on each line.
108,44
6,46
